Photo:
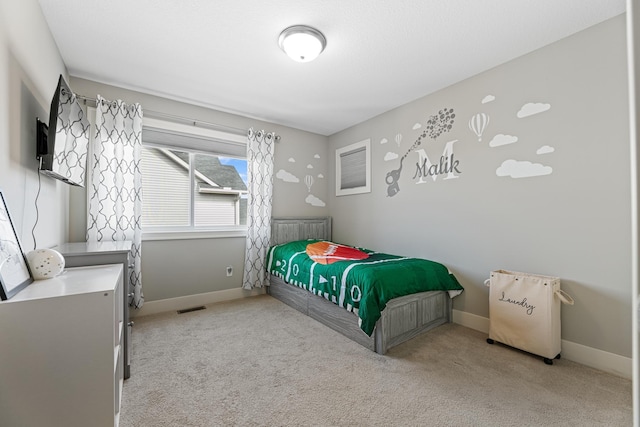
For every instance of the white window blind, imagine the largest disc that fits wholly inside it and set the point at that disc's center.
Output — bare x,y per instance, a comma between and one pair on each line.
177,135
354,168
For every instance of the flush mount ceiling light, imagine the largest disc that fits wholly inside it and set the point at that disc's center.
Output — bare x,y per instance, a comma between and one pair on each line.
302,43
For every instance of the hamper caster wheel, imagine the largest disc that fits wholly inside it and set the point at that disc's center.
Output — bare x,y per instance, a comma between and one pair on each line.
558,356
490,341
548,361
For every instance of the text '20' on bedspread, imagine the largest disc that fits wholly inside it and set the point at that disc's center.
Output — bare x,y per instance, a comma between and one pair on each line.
361,286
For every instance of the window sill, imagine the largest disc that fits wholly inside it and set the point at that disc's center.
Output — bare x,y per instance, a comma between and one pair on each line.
193,234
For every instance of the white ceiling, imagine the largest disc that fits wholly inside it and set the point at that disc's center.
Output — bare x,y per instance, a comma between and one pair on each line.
380,54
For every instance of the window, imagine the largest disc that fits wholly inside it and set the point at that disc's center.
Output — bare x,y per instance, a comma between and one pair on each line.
192,182
353,169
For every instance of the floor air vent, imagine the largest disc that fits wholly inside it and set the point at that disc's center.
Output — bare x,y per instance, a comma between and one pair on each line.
189,310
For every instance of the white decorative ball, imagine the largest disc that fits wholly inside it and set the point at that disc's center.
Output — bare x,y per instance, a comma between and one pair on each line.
45,263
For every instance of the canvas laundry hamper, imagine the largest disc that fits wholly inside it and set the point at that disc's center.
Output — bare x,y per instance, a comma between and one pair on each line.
524,312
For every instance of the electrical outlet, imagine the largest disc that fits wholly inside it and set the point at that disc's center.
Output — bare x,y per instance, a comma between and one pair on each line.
229,271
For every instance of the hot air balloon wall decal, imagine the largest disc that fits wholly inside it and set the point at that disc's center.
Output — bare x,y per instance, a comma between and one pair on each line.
308,181
478,123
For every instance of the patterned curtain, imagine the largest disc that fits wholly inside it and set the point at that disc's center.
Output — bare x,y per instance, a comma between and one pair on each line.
115,189
260,151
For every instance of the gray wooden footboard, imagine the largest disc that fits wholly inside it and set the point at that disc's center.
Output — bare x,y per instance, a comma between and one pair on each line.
402,319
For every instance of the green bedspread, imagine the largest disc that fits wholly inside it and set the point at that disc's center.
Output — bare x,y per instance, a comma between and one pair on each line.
363,287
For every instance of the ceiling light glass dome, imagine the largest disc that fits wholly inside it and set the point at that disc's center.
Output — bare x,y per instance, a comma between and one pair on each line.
302,43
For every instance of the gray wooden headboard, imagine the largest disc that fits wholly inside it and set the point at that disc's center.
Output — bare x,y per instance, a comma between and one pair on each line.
289,229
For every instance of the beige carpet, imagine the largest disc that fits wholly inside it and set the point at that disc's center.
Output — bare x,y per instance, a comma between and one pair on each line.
257,362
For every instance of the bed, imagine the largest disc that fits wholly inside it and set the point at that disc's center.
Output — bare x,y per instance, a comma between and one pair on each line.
400,319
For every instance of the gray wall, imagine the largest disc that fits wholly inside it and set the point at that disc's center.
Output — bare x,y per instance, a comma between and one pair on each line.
175,268
29,68
573,223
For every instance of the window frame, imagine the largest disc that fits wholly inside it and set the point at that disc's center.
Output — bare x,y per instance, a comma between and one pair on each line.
191,231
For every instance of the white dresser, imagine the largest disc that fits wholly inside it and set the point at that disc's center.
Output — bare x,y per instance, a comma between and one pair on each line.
61,360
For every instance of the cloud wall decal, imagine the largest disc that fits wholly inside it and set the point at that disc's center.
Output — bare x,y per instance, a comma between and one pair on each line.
545,149
488,98
501,139
287,176
314,201
522,169
532,108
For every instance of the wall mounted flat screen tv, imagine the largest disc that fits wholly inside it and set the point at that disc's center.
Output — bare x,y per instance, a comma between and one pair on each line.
62,145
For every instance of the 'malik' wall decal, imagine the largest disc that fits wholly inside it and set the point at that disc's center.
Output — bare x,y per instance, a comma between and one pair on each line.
436,125
447,166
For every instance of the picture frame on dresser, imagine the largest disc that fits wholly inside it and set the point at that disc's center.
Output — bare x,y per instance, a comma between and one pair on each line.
15,274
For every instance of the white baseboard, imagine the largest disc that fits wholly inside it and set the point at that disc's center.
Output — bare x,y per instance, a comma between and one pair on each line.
472,321
181,303
604,361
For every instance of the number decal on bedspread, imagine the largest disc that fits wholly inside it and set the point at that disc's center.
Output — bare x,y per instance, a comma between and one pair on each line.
353,297
283,265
